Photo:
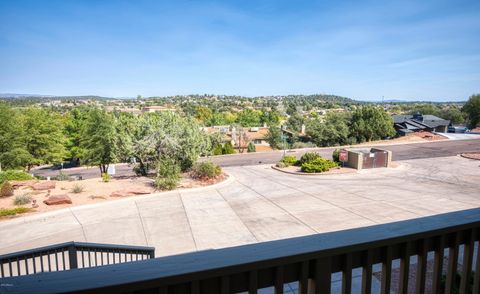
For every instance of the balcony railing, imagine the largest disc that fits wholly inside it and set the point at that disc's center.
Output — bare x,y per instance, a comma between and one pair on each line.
310,260
70,255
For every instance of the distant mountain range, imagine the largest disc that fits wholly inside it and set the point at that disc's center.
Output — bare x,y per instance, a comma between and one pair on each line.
15,95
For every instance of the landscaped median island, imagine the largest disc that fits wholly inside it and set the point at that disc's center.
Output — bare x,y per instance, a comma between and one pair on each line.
21,193
311,163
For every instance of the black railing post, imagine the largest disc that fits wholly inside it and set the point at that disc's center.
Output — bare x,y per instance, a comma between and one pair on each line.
72,256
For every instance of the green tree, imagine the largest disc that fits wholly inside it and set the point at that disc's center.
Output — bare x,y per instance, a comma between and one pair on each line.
453,114
295,122
218,149
43,138
334,131
271,118
274,137
249,118
167,135
228,148
99,139
73,128
472,110
11,133
371,123
203,114
251,147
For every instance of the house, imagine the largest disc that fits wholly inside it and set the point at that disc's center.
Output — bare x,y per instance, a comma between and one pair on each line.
157,109
407,124
241,137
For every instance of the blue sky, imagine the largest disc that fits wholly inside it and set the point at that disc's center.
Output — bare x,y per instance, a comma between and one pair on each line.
411,50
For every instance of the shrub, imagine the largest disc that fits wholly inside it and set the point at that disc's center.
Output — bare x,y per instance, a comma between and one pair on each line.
106,177
308,157
168,183
205,170
168,167
62,176
299,145
6,190
318,165
251,147
289,160
281,165
22,199
218,150
14,175
228,148
77,188
168,174
13,211
336,155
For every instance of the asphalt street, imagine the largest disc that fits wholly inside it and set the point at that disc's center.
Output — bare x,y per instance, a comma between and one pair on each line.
400,152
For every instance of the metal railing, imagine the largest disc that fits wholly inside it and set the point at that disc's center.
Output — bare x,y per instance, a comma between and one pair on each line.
309,260
70,255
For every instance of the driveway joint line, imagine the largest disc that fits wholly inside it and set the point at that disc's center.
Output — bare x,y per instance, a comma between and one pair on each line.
235,212
281,208
81,225
188,221
141,222
314,196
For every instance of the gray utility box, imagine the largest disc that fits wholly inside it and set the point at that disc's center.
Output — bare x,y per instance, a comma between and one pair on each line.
369,158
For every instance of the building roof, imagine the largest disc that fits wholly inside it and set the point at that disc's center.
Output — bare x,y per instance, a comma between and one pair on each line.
420,121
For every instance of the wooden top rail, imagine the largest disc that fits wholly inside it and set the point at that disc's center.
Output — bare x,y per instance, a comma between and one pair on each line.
342,248
78,245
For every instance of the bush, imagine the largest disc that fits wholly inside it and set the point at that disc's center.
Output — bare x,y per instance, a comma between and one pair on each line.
168,183
77,188
13,211
228,148
281,165
336,155
6,190
62,176
205,170
218,150
22,199
168,174
288,160
318,165
106,177
14,175
251,147
308,157
300,145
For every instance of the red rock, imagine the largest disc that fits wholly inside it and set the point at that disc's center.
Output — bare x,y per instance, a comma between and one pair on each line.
49,185
18,184
129,192
58,199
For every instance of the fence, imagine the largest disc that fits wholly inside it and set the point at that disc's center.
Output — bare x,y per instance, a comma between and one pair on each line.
70,255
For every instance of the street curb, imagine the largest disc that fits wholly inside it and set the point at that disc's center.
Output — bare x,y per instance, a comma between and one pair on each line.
307,174
465,155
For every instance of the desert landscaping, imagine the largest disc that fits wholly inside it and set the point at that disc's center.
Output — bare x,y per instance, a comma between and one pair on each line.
43,196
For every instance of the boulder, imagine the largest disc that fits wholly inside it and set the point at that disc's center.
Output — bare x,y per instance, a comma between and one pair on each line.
27,183
130,192
58,199
40,186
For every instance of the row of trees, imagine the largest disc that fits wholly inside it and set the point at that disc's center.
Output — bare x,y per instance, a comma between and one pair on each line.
364,124
89,135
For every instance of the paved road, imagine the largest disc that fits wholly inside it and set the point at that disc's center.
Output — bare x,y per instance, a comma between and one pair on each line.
400,152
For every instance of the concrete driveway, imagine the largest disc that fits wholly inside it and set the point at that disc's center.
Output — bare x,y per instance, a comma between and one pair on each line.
258,204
